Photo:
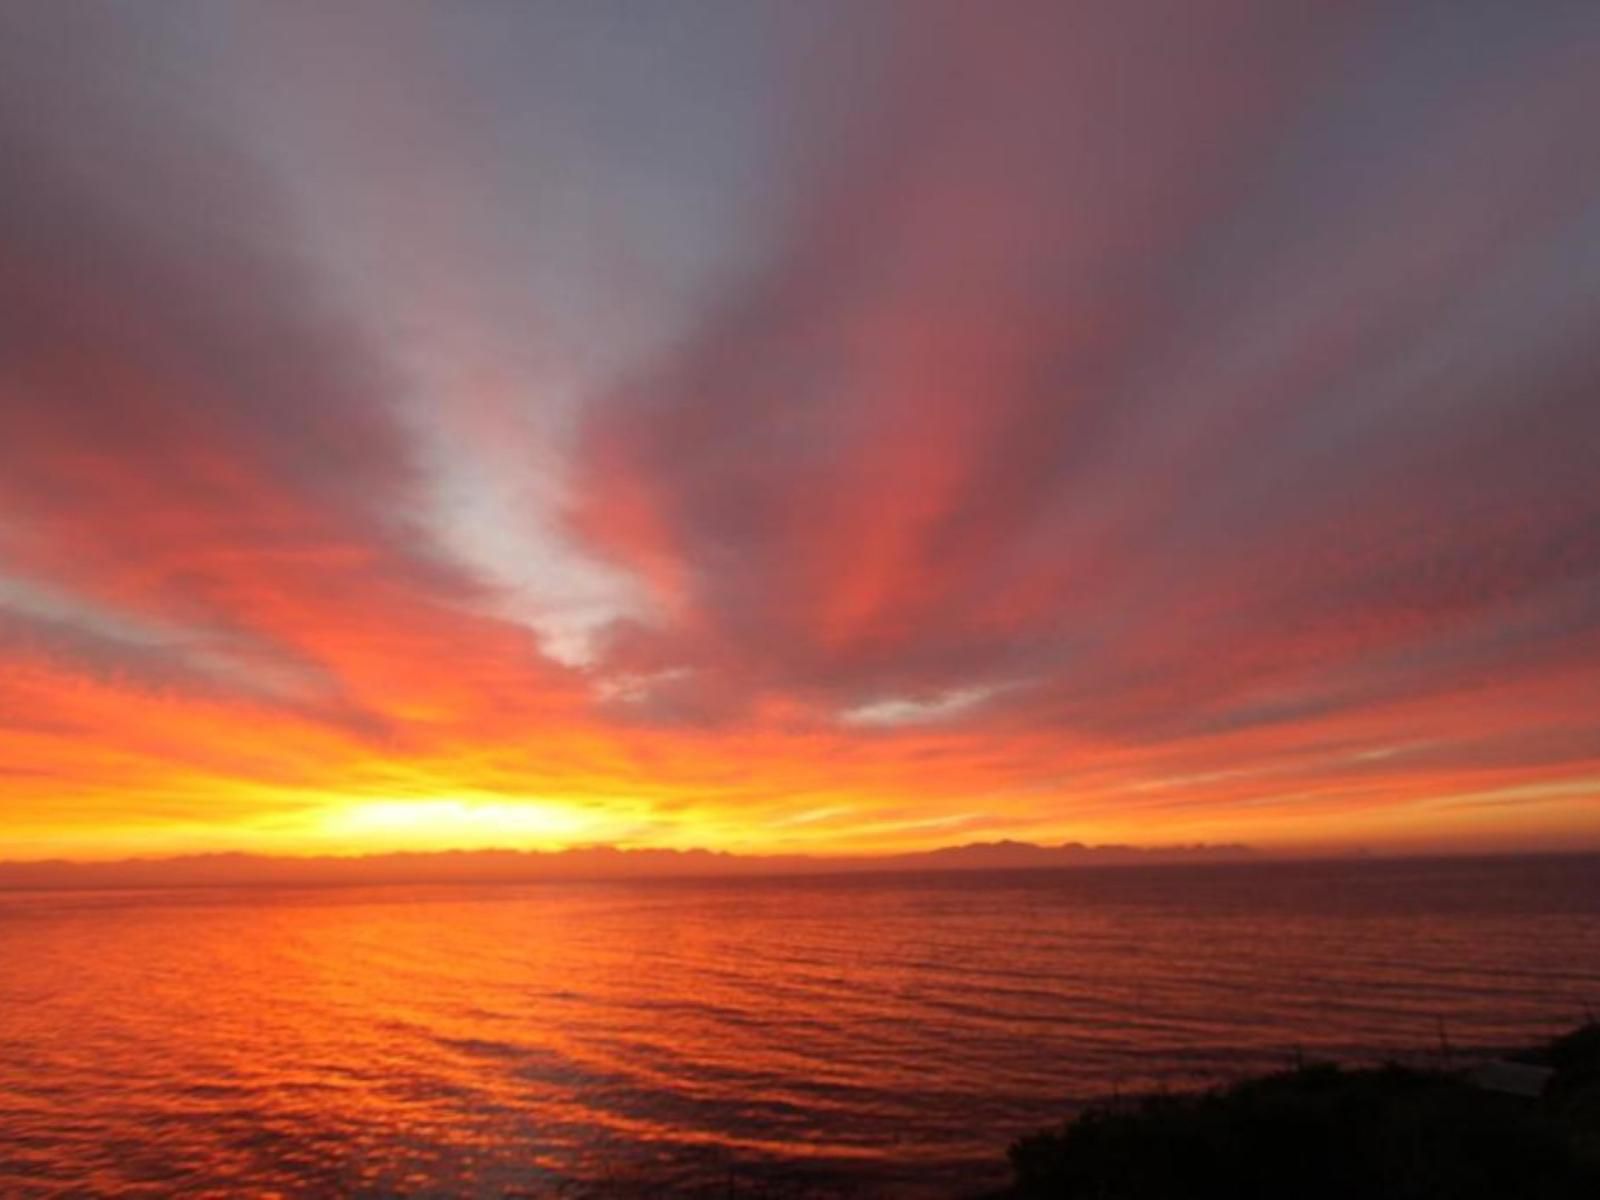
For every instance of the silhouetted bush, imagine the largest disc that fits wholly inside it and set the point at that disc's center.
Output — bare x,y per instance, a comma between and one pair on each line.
1386,1133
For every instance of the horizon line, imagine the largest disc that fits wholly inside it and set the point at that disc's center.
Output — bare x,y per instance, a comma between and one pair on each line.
237,868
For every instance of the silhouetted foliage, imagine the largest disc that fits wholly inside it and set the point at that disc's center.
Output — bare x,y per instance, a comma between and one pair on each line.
1385,1133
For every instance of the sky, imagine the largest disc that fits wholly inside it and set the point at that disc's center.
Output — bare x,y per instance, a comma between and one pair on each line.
845,427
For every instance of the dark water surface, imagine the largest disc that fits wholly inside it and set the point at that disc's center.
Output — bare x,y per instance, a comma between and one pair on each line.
858,1035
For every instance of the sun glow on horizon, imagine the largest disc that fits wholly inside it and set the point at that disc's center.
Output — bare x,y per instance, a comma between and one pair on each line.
458,823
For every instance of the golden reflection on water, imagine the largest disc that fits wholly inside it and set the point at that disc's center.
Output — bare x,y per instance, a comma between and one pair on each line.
544,1039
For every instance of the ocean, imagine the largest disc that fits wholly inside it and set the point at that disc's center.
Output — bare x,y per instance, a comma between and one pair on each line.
853,1035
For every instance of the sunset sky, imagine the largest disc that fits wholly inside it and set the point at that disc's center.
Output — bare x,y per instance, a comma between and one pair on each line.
840,426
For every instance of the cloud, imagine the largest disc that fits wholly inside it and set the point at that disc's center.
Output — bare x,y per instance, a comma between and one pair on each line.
1084,418
212,509
1045,379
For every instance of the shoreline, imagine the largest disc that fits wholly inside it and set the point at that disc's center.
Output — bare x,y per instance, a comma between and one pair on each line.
1481,1125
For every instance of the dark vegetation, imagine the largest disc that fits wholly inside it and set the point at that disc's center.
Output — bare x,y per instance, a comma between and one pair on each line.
1379,1133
